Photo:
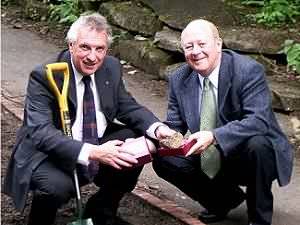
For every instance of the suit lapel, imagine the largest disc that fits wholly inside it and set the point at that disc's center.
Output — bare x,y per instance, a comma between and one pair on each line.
224,85
104,88
190,99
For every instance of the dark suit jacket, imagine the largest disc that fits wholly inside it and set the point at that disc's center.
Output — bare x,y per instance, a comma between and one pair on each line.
244,108
41,135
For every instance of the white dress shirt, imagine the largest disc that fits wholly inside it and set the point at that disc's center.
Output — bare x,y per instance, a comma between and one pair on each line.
100,118
214,79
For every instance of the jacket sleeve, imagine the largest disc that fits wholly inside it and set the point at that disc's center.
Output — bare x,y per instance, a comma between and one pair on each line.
255,107
41,116
175,113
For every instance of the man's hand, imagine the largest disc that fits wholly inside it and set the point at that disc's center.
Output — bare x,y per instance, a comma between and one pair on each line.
110,153
163,131
203,138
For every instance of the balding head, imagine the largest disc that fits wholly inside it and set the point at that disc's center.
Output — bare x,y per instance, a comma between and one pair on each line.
200,24
202,46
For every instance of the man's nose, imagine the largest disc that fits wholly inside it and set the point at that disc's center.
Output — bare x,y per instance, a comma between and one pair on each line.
92,55
196,50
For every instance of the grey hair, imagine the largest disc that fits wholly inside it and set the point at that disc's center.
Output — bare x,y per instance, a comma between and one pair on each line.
94,21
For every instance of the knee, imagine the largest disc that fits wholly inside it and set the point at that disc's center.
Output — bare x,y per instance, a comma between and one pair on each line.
171,165
59,192
260,148
159,166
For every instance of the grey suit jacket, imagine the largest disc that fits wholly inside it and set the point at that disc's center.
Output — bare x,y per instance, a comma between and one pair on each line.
244,108
41,135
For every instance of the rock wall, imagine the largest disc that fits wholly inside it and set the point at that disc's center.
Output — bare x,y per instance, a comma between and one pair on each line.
147,34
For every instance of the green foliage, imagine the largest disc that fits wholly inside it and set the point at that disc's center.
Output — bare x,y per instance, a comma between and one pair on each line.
67,11
275,12
292,50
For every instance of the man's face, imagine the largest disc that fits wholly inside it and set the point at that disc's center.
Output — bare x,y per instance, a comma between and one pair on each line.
201,49
89,50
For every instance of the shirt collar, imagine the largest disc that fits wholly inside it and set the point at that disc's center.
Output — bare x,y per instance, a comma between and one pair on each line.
213,77
78,76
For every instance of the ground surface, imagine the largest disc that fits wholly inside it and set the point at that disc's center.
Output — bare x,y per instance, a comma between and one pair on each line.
132,209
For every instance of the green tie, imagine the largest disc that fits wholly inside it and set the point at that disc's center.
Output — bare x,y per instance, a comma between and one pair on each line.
210,158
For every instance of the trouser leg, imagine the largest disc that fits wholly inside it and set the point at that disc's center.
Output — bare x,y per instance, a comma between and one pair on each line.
52,188
261,171
215,195
113,183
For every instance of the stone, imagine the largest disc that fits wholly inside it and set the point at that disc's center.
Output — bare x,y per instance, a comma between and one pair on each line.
178,13
143,55
132,17
167,71
168,39
256,40
174,141
18,25
285,94
35,9
120,34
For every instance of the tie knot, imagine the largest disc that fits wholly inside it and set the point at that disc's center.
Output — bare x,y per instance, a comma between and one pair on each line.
86,80
206,84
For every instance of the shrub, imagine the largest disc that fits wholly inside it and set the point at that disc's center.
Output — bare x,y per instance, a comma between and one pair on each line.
292,51
275,12
67,11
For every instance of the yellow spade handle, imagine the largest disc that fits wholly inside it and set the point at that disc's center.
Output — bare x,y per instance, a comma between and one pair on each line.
61,96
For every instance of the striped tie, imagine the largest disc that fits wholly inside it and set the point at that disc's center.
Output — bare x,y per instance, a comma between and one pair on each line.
89,125
210,158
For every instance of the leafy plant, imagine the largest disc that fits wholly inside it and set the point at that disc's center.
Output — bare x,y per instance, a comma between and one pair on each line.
292,51
67,11
275,12
278,11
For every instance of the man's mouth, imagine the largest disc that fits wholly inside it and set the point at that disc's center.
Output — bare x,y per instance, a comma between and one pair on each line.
198,60
89,64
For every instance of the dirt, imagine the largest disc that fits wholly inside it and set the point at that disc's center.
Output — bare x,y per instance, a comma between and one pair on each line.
132,210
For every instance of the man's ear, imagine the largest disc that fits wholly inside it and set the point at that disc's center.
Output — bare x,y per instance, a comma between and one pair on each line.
71,47
219,43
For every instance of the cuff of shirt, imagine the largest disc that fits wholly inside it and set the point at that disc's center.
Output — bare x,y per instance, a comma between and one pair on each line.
83,157
151,130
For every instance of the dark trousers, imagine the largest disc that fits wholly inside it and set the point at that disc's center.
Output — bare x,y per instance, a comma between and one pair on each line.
53,187
251,165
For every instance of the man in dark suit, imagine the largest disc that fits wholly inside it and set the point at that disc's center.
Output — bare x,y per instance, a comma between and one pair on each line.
244,142
44,158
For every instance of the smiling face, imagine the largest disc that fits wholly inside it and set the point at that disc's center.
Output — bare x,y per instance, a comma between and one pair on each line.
89,50
202,46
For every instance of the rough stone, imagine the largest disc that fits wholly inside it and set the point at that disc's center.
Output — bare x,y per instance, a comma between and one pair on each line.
256,40
178,13
168,39
244,39
132,17
120,34
142,54
285,95
166,72
35,9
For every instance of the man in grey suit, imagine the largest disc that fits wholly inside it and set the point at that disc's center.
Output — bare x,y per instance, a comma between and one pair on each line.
44,158
245,144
